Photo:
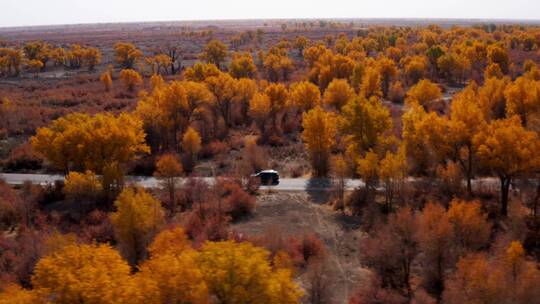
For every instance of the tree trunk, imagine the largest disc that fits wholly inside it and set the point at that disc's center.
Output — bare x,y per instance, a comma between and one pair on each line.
536,199
505,188
469,171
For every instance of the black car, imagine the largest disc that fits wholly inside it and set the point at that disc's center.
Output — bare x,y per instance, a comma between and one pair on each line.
267,177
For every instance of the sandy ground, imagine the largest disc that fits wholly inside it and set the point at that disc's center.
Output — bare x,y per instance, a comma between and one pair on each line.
295,214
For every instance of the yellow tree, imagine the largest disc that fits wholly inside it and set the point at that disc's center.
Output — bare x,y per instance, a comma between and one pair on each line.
523,99
392,171
319,138
466,120
478,278
508,150
363,122
493,71
435,239
126,54
338,93
388,71
242,66
81,187
172,274
340,171
58,56
214,52
245,90
91,57
453,66
277,95
472,229
304,95
169,169
170,108
137,218
300,43
223,87
371,83
14,294
277,65
491,97
84,274
10,61
34,66
259,111
425,137
169,242
499,55
103,143
415,68
130,78
424,92
241,273
191,145
368,170
200,71
106,80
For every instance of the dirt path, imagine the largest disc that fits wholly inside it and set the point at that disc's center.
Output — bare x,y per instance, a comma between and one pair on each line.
295,214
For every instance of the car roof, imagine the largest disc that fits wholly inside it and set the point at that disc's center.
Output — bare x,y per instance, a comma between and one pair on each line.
269,171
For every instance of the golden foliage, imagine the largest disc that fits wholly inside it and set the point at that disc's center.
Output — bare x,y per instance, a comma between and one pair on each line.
14,294
214,52
363,122
130,78
423,93
523,99
507,149
241,273
305,95
137,218
103,143
106,80
242,66
81,185
126,54
84,273
320,129
338,93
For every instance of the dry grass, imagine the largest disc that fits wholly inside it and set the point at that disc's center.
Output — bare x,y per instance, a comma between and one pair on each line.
295,214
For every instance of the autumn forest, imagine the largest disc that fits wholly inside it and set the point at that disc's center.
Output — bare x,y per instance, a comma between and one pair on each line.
417,148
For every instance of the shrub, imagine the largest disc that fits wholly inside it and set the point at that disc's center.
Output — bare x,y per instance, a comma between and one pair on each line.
396,92
207,222
238,202
307,248
214,148
130,78
10,205
23,158
82,186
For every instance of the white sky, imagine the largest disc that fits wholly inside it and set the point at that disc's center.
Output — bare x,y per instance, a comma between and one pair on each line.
45,12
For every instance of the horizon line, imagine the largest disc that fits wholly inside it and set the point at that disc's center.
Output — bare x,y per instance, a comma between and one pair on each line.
446,19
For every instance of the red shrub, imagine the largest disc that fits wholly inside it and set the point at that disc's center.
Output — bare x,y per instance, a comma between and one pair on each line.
302,250
194,191
238,203
23,158
207,222
11,212
371,292
214,148
96,226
